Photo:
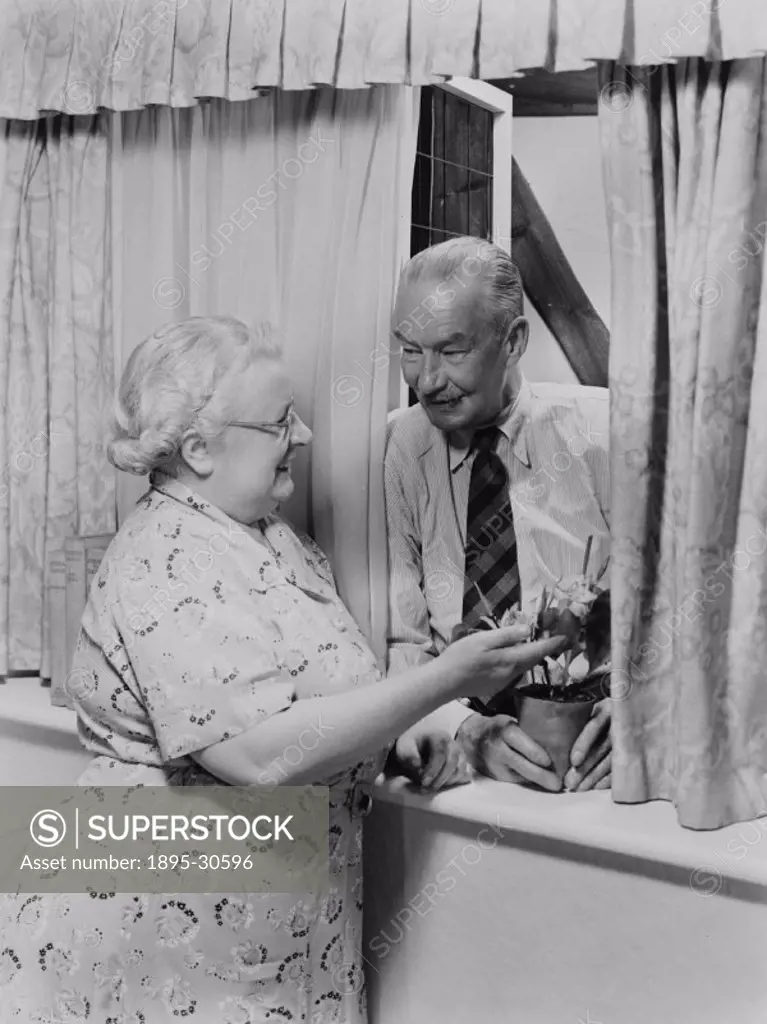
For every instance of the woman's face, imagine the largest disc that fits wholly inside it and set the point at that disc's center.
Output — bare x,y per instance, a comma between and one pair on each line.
252,473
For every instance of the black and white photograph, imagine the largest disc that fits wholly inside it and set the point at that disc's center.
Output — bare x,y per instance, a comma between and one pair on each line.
383,511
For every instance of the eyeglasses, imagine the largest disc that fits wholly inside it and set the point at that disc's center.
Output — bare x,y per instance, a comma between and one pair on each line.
280,428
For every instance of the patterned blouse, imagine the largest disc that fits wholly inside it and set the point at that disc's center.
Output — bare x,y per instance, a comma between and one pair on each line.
196,629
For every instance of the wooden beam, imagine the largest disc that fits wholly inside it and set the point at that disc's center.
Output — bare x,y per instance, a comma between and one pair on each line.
546,108
553,288
540,93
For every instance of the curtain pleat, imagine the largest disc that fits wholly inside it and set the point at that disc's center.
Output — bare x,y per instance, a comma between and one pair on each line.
685,162
56,363
86,55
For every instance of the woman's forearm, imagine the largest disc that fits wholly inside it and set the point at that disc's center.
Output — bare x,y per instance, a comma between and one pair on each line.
446,718
316,737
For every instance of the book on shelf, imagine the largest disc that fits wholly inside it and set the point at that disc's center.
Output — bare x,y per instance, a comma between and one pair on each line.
82,558
55,646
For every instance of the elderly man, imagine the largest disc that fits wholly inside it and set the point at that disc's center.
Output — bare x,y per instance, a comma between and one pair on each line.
484,444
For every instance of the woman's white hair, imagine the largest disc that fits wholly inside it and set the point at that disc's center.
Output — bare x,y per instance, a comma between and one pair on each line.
465,258
178,379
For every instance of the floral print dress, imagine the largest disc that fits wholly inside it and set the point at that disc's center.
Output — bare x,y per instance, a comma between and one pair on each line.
196,629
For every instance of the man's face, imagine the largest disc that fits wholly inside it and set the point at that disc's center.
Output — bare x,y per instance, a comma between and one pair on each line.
450,359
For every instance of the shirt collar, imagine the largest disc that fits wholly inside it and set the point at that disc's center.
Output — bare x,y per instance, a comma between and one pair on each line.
172,488
178,491
269,533
514,427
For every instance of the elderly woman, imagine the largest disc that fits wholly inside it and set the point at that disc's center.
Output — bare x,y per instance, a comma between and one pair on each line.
213,638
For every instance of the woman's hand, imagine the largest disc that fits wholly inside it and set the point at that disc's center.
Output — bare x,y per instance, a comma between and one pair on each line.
486,662
431,758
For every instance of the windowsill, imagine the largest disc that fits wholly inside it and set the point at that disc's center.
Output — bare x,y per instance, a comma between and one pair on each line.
643,833
646,833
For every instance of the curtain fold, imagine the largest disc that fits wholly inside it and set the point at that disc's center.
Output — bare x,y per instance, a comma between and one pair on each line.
56,363
287,208
81,56
685,167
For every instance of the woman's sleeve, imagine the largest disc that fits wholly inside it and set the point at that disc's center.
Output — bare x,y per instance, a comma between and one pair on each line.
203,640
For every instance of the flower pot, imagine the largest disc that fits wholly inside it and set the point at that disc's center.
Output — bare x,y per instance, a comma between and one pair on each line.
555,724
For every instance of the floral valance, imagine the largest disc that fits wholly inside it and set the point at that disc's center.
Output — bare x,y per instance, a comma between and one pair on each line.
74,56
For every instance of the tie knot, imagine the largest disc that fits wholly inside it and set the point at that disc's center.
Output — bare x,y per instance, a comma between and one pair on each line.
485,439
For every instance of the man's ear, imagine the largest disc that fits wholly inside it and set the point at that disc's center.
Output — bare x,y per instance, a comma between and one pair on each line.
196,454
517,337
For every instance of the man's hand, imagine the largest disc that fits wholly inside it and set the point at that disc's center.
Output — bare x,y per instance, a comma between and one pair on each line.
498,748
591,756
431,758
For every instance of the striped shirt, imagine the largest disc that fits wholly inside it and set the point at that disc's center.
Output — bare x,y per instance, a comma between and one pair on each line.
555,447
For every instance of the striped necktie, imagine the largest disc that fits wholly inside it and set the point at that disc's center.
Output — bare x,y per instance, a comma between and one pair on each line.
491,546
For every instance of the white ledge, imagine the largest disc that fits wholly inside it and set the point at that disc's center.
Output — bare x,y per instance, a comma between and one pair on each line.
649,833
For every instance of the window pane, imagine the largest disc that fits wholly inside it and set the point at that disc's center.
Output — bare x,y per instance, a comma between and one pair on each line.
421,204
425,120
480,136
438,194
479,205
456,130
456,199
452,182
419,239
438,122
440,236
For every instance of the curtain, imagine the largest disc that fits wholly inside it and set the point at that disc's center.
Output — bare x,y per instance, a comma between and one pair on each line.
85,55
685,161
294,208
56,363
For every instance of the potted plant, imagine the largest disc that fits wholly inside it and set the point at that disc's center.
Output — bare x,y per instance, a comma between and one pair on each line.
558,696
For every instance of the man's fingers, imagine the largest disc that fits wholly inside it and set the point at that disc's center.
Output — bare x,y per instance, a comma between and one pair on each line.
456,771
546,780
590,735
501,762
519,741
433,753
448,762
597,755
533,773
410,766
598,774
595,768
464,774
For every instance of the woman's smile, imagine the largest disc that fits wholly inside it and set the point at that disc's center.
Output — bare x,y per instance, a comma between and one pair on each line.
285,466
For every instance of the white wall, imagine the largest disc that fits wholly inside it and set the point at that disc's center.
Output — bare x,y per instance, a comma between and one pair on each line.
560,158
496,903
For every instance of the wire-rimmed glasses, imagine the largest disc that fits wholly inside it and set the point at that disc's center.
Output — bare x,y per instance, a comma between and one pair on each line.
279,428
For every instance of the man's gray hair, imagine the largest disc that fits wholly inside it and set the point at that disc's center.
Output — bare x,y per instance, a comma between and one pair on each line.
466,258
182,378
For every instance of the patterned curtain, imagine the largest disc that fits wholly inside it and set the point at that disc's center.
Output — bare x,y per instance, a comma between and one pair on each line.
56,362
685,161
112,225
85,55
